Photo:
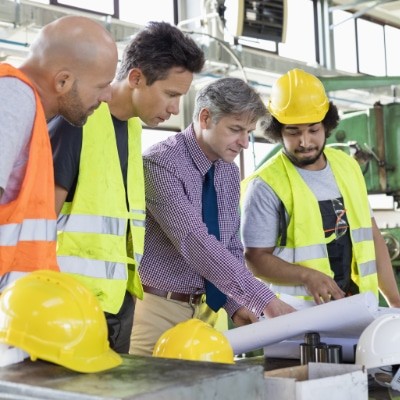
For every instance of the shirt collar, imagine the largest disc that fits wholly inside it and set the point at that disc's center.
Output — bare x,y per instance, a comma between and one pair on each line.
202,163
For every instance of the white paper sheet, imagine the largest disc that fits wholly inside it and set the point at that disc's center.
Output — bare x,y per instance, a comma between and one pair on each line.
290,348
346,317
11,355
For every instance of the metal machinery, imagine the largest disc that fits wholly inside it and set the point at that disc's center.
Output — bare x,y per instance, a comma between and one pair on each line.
372,137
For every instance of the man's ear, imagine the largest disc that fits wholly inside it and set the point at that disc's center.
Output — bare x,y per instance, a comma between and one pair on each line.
135,77
63,81
205,118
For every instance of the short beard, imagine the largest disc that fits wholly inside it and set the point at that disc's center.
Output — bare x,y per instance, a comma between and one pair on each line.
71,107
303,162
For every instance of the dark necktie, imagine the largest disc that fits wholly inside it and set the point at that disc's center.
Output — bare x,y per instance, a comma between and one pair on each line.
215,299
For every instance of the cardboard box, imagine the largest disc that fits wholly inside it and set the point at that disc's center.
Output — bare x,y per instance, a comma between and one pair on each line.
317,381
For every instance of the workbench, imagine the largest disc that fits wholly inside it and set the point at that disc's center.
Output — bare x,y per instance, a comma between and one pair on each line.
144,378
148,378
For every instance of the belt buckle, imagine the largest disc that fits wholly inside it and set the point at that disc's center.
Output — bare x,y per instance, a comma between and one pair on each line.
191,300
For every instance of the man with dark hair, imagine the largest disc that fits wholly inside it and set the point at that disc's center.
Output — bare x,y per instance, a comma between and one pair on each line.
307,228
99,173
192,243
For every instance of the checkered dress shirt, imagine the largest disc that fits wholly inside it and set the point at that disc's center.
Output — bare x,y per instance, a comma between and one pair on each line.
179,253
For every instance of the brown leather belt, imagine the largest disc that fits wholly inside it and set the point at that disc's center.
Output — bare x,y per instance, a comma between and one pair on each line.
187,298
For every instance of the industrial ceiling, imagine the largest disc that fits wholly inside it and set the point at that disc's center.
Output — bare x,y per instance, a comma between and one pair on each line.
20,21
387,11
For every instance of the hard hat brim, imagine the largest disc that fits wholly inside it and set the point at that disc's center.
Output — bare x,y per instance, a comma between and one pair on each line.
107,360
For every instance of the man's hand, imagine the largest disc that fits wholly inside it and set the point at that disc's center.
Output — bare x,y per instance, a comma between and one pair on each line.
322,287
277,307
243,316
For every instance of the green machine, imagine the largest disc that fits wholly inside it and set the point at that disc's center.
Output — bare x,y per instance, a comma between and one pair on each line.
372,137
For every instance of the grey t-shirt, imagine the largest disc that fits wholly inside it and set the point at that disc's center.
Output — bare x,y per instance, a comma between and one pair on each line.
17,110
260,212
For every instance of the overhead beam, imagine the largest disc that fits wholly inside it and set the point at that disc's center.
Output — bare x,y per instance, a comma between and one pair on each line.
357,82
27,13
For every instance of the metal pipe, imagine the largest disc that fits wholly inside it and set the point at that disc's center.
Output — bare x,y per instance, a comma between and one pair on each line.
14,43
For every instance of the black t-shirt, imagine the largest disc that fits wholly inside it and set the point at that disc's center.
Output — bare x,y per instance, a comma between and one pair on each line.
339,250
66,142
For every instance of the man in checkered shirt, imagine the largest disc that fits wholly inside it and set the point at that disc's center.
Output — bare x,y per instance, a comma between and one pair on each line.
180,255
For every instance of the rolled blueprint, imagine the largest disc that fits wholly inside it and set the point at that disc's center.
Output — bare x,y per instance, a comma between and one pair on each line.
338,318
290,348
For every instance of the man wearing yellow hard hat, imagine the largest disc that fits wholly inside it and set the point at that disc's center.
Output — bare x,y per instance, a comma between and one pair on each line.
307,226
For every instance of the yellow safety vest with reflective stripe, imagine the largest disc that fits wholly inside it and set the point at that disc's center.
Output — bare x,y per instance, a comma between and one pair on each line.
306,242
92,229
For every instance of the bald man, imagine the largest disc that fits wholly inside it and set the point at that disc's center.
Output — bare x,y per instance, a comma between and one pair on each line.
68,72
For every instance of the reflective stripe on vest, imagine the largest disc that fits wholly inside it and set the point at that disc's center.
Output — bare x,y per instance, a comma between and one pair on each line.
140,218
92,224
298,291
304,245
92,229
6,279
362,234
27,224
301,254
29,230
138,223
93,268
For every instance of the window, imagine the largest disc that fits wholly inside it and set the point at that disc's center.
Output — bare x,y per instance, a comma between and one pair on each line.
392,39
365,46
300,35
142,12
344,34
371,48
106,7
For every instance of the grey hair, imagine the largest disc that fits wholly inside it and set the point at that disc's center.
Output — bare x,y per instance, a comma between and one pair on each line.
229,96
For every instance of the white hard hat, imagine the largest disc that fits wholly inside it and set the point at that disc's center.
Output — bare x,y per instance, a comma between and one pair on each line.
379,343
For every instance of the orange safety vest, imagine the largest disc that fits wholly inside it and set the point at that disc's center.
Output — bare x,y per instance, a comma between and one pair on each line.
28,223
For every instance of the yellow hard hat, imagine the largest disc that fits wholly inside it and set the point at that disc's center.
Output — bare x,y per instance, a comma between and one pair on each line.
52,316
298,97
194,340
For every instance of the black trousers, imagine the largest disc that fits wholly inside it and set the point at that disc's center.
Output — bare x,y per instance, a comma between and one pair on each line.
120,325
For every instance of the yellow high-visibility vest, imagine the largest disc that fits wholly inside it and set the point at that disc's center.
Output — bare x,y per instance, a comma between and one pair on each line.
306,242
92,229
